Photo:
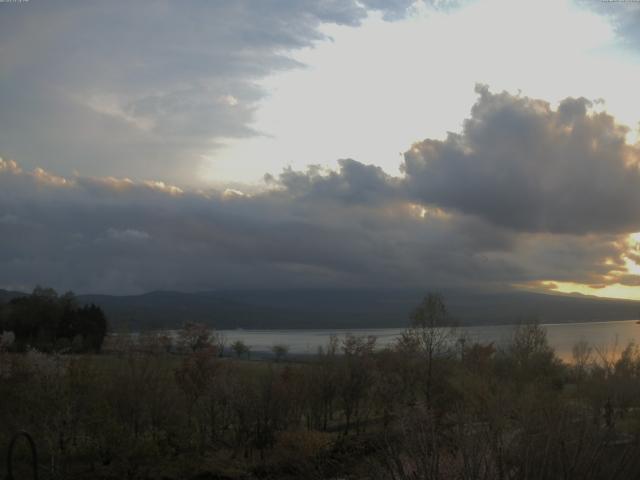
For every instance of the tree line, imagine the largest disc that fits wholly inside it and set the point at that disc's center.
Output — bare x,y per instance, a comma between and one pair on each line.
50,322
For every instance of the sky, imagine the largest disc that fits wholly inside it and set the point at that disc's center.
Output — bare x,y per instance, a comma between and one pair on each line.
194,145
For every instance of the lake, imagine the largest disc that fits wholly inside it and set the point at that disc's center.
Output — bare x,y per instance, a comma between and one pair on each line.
610,336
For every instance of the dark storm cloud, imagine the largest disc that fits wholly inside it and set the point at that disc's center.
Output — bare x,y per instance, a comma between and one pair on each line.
519,163
354,182
525,193
128,88
118,236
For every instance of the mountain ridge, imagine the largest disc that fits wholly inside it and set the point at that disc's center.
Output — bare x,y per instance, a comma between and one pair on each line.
312,309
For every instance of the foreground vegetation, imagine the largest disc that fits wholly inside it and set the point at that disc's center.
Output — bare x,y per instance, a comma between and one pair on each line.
433,406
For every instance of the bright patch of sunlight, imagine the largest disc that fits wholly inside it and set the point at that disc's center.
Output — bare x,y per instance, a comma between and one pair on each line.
613,289
371,91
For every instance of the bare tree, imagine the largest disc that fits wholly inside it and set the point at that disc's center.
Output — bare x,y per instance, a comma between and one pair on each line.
430,334
357,378
195,336
582,355
280,351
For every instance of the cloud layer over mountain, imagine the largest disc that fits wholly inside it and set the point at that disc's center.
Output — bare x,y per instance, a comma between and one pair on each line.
524,193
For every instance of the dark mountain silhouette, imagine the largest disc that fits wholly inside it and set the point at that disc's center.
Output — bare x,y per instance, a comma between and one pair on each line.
263,309
6,295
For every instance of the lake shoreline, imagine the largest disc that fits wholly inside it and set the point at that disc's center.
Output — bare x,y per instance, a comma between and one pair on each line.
604,336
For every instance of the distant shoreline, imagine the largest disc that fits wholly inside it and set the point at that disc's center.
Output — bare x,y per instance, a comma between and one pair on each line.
610,334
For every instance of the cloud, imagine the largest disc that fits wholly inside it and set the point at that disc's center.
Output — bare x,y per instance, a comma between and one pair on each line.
9,165
353,182
625,16
521,164
122,236
127,235
128,89
524,194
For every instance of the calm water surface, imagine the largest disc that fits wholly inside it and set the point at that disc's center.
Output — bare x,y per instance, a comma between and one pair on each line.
562,337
